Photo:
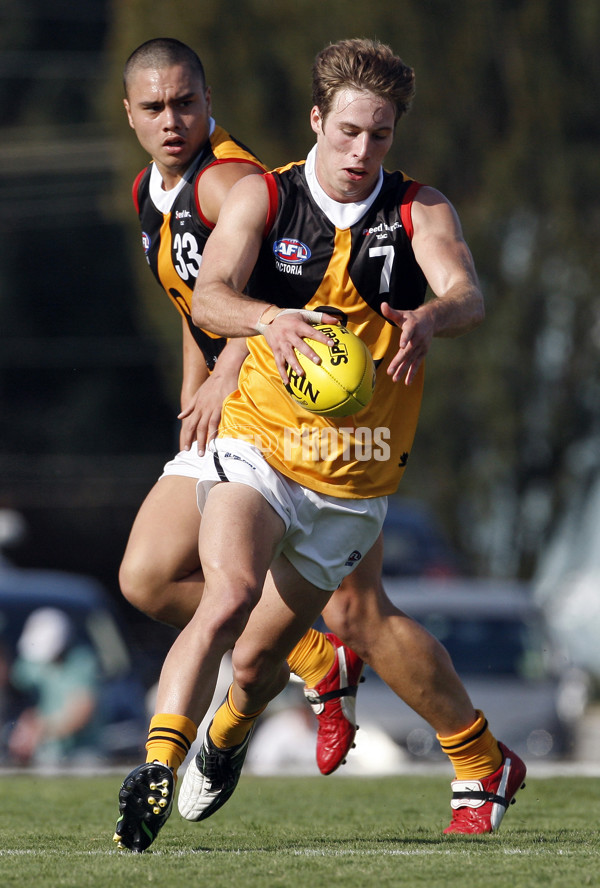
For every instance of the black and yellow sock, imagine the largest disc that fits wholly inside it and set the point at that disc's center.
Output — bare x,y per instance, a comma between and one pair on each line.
229,726
170,737
312,658
474,753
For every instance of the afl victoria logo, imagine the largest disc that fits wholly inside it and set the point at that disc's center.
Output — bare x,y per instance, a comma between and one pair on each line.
288,249
145,241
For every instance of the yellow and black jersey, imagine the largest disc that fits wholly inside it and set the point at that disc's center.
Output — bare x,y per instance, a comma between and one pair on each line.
306,260
174,230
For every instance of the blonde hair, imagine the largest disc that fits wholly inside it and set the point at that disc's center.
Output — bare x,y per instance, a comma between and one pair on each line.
362,64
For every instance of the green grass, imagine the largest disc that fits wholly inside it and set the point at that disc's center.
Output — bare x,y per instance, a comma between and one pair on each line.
310,833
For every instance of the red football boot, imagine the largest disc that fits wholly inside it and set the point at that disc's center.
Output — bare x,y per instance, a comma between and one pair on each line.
333,701
478,806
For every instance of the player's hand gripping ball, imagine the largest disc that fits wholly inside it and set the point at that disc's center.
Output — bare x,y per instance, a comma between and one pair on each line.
343,383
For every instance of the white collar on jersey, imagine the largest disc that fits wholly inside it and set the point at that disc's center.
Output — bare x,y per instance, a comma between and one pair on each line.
343,215
163,200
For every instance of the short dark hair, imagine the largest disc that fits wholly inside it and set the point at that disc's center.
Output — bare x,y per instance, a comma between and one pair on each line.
162,52
362,64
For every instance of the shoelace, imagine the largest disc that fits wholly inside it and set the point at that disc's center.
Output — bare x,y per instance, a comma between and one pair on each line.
216,766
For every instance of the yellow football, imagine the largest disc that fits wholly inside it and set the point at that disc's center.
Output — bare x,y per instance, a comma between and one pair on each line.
343,383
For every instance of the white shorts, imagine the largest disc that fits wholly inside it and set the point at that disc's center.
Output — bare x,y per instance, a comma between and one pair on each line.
187,463
325,537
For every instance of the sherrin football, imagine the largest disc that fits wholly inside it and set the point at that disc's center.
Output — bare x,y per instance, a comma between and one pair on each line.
343,383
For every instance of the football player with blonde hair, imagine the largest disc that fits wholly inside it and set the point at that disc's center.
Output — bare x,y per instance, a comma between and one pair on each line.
281,533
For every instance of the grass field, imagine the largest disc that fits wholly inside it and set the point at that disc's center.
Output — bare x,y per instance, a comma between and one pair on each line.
304,832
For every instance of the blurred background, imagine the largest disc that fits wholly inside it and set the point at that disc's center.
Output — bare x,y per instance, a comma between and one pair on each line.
504,480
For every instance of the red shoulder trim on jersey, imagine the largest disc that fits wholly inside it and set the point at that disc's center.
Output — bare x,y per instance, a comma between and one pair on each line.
273,201
135,189
405,207
206,221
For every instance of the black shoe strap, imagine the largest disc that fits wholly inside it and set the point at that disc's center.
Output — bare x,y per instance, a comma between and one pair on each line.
480,796
332,695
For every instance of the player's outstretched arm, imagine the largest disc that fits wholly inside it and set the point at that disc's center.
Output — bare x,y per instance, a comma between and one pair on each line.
447,263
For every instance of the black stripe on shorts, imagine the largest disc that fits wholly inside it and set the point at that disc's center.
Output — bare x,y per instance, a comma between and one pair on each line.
219,468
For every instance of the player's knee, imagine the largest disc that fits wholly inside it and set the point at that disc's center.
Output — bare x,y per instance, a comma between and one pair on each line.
132,589
142,588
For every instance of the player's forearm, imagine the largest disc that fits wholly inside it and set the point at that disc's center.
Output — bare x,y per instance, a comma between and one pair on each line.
457,312
231,359
224,311
195,371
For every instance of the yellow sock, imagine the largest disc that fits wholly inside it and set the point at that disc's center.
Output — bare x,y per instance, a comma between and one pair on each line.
169,739
474,753
312,658
229,726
